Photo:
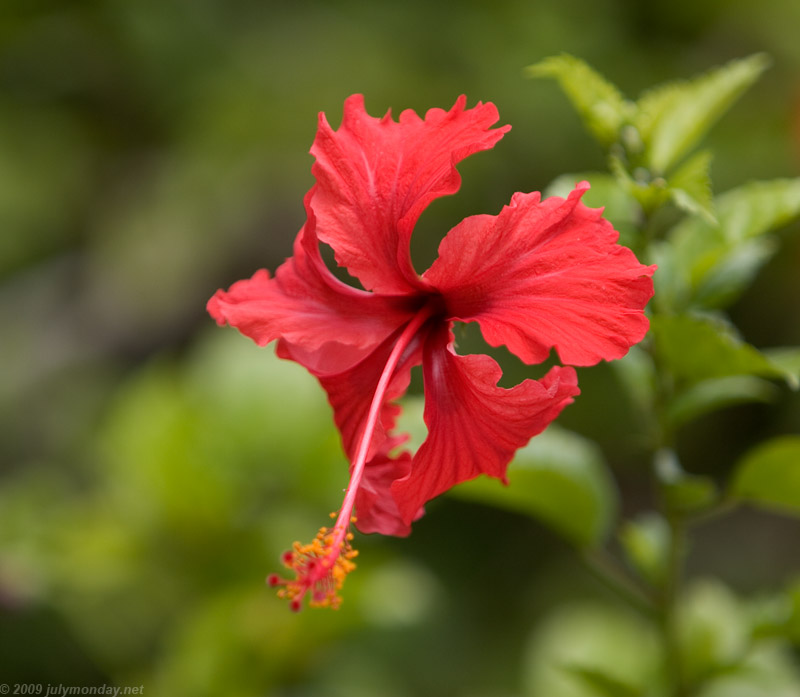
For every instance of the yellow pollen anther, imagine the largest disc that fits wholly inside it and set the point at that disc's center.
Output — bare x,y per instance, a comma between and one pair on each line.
320,568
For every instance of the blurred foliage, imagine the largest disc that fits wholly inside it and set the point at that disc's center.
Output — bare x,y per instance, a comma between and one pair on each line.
152,468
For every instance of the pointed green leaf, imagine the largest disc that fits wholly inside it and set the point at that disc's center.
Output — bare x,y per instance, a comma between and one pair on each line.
770,615
768,669
719,262
709,395
691,494
758,207
788,360
602,683
744,213
560,478
651,105
608,640
599,103
711,629
646,543
747,214
682,492
690,187
769,475
733,273
674,117
695,349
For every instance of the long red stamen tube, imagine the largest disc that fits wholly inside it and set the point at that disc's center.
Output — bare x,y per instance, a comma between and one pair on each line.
372,417
322,565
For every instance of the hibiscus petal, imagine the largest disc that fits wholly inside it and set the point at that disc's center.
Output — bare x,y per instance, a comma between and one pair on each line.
324,324
375,177
475,427
376,509
350,393
545,274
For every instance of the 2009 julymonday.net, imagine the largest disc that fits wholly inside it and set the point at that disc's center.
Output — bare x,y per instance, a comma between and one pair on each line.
61,690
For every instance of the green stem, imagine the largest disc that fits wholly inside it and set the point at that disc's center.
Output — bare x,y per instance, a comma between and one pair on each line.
667,594
606,569
721,508
667,602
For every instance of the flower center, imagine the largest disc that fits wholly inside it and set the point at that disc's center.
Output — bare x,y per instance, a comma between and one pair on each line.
321,566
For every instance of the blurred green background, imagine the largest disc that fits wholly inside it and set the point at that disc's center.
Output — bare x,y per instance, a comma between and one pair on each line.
153,466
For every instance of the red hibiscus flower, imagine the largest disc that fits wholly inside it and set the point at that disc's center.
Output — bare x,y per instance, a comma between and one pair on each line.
541,275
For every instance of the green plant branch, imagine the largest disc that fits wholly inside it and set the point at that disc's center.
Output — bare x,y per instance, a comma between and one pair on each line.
665,595
605,568
724,506
667,605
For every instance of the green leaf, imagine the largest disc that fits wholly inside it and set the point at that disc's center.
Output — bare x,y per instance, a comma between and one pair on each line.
603,683
788,360
712,630
758,207
674,117
733,273
720,261
769,475
776,614
744,213
560,478
717,393
682,492
690,494
599,103
608,644
696,349
646,542
769,669
690,187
